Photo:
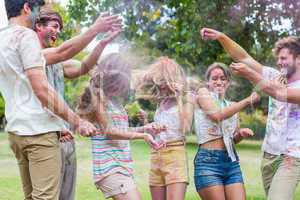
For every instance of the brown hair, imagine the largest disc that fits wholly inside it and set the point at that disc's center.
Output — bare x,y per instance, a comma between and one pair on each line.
47,15
292,43
113,71
217,65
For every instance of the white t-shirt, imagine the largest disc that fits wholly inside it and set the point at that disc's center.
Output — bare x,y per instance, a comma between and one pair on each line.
283,124
20,50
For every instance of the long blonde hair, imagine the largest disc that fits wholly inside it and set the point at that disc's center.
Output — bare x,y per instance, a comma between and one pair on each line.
112,74
164,72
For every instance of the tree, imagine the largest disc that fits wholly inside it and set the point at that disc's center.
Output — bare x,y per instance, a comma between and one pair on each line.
171,28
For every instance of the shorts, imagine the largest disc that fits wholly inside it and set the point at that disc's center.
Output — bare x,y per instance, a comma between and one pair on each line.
115,184
214,167
169,165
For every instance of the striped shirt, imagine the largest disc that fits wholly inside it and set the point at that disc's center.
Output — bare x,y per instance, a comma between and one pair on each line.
112,156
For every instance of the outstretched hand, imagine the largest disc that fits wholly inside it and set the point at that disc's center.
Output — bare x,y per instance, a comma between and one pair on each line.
155,128
106,22
241,69
66,136
210,34
154,144
86,128
246,132
254,98
110,36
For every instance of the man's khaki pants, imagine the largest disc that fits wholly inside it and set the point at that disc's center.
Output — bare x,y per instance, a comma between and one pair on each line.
281,175
39,161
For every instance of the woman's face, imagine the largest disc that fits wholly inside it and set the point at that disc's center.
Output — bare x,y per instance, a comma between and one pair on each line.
218,82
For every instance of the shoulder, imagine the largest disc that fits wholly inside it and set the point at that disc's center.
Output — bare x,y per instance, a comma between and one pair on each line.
22,31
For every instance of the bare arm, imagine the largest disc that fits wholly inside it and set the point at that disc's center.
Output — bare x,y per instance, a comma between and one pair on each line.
50,99
273,88
114,133
188,112
70,48
241,134
236,52
74,69
217,114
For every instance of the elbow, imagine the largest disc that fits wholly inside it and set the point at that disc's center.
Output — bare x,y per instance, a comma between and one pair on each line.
65,55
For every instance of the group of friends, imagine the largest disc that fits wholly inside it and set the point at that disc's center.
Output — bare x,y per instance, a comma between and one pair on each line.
39,122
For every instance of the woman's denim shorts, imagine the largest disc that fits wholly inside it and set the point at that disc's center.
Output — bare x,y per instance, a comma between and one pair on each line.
214,167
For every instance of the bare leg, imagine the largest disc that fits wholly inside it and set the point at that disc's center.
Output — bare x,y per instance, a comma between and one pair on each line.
235,192
130,195
176,191
158,192
212,193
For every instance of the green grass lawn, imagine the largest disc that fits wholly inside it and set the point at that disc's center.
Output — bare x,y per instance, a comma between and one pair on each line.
10,185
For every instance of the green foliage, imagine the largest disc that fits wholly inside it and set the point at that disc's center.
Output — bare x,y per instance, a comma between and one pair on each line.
133,110
75,87
256,121
73,90
2,106
172,28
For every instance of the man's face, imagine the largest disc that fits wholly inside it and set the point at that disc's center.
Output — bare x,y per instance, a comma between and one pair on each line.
286,62
31,14
48,33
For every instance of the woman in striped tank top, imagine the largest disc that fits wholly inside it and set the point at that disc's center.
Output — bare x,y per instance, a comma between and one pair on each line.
102,104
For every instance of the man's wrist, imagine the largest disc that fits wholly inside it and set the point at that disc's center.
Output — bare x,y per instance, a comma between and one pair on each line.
222,37
76,122
93,31
103,43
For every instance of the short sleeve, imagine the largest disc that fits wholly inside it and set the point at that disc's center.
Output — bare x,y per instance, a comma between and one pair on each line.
30,50
270,73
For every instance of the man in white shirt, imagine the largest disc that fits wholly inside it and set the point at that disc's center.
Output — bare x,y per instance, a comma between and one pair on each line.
281,147
33,110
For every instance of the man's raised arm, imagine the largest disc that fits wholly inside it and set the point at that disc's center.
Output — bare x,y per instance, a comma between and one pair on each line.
236,52
70,48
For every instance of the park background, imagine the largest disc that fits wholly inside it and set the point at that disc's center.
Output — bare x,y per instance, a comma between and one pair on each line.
171,28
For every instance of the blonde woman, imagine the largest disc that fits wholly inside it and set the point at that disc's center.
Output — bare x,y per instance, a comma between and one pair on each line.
165,82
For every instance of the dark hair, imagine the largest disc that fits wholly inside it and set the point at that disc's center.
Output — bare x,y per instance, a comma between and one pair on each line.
47,15
14,7
292,43
217,65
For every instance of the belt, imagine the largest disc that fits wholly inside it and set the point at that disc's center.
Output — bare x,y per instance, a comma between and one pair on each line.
175,143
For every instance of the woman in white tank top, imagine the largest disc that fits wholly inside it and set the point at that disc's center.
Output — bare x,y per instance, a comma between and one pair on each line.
217,171
164,81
